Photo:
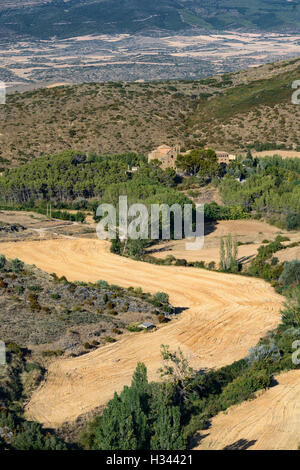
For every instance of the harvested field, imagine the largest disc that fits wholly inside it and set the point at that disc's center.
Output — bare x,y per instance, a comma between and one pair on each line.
289,254
270,422
249,232
224,316
38,226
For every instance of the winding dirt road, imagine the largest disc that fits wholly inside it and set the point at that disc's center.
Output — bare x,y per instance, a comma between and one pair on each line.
224,316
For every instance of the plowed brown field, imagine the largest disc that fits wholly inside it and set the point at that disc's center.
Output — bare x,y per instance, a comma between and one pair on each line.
225,315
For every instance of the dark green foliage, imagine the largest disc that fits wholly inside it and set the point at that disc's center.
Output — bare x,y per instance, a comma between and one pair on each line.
167,430
202,163
214,212
17,265
242,388
291,273
116,246
160,298
292,221
16,432
263,265
271,189
33,438
2,261
291,312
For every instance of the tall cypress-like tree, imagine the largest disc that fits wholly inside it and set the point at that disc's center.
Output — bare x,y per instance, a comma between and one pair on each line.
124,424
167,430
228,254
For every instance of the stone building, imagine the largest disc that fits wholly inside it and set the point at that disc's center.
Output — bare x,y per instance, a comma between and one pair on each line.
224,157
166,155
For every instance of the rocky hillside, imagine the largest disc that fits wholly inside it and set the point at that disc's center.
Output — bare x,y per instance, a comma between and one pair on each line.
226,112
52,316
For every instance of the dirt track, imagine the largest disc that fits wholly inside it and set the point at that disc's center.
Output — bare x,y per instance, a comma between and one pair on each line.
224,316
270,422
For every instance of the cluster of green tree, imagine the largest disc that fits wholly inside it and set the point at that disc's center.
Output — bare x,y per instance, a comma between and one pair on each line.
144,416
16,433
265,265
270,187
202,163
214,212
65,177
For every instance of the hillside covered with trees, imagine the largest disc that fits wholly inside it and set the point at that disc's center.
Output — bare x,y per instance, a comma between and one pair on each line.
270,188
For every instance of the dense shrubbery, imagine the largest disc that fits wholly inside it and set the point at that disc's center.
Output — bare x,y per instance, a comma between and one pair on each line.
15,432
271,188
214,212
291,273
18,434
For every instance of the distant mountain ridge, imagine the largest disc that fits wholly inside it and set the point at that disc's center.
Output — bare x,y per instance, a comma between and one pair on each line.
66,18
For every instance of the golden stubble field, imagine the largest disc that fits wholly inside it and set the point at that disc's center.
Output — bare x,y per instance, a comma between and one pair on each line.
224,316
269,422
251,233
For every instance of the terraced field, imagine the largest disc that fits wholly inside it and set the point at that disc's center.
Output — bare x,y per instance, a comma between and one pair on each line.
224,315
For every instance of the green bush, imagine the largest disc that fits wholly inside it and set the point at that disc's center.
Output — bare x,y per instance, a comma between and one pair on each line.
291,273
17,265
292,221
2,261
161,297
243,387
